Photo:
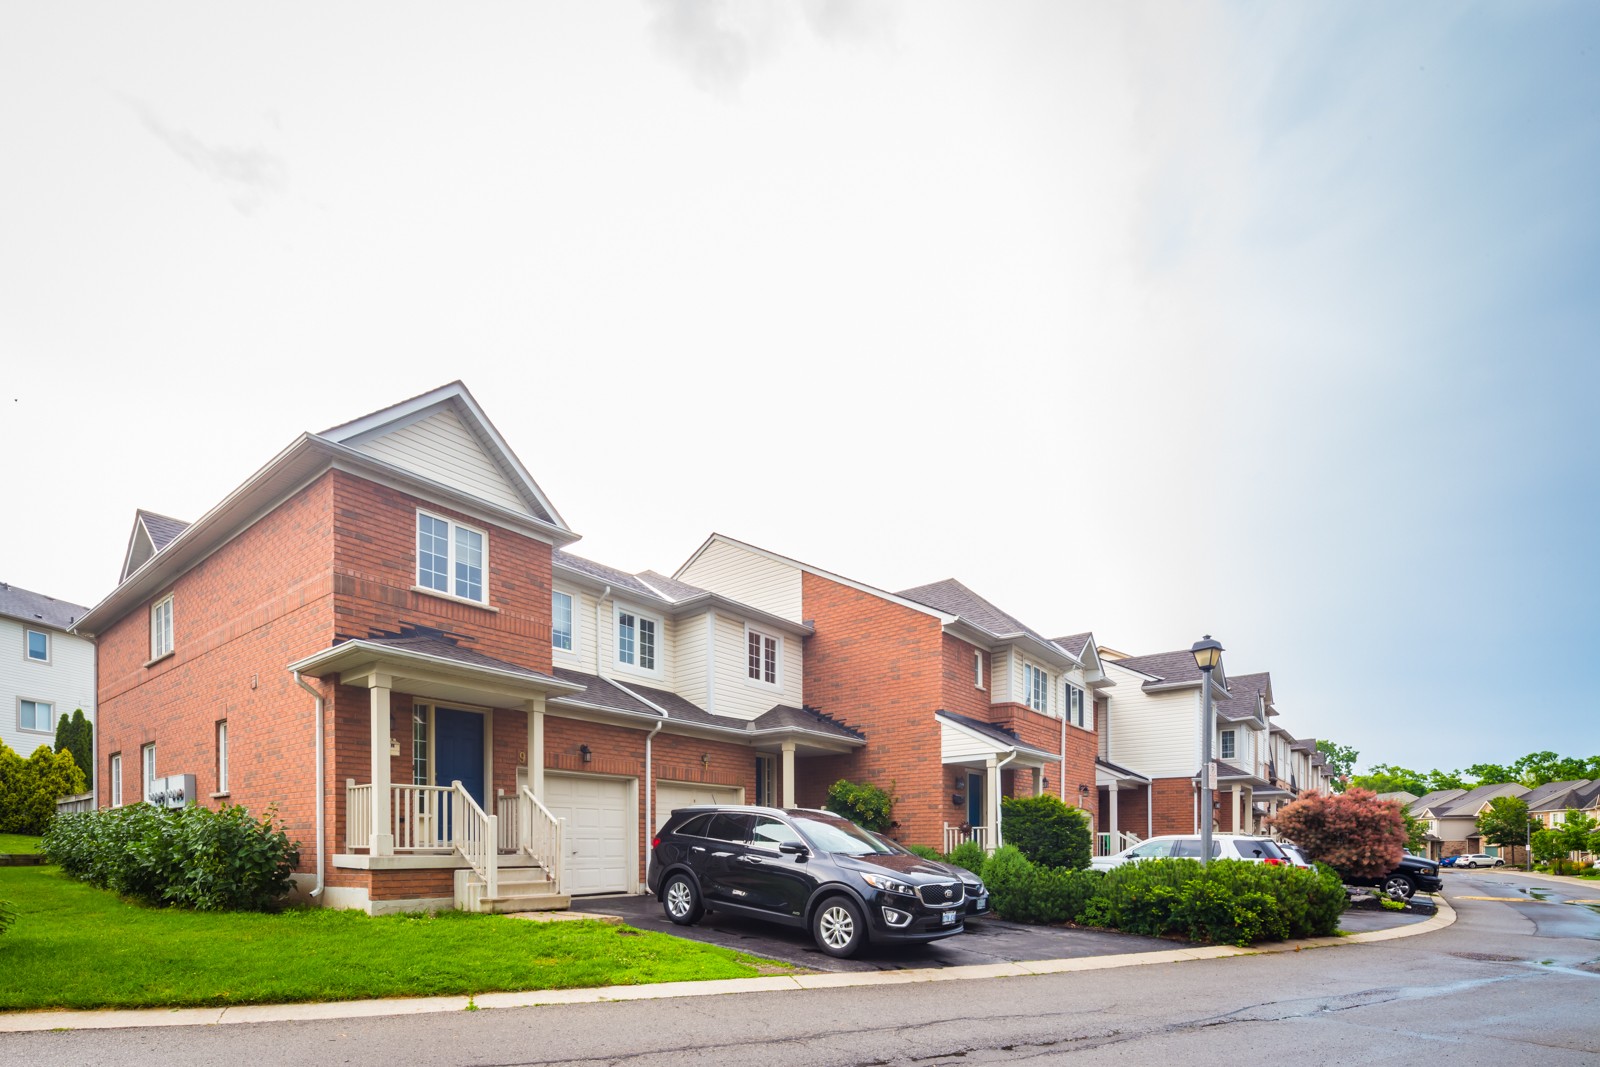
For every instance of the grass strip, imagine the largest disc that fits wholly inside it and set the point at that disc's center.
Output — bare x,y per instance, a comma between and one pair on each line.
18,845
74,946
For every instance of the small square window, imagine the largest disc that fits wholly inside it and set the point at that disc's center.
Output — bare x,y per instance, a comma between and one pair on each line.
636,640
39,646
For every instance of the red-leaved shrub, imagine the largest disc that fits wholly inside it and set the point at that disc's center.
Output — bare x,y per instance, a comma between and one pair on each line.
1354,832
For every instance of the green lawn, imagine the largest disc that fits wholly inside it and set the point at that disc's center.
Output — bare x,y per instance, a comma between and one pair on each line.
74,946
18,844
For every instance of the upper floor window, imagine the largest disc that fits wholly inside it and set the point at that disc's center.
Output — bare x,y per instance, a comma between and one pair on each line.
561,621
1229,747
636,640
116,779
36,716
451,558
38,646
1075,705
1036,688
977,667
763,656
161,628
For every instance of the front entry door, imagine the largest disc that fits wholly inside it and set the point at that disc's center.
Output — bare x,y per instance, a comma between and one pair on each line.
458,741
974,799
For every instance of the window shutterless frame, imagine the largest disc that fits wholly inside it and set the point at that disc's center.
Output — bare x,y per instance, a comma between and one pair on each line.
452,558
116,779
763,656
35,716
161,627
36,646
638,639
562,606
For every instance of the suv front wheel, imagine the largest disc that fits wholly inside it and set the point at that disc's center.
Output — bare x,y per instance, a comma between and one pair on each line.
838,927
1398,887
681,900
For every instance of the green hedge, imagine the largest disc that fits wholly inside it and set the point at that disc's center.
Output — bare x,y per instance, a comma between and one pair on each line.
1046,830
1225,902
865,805
200,858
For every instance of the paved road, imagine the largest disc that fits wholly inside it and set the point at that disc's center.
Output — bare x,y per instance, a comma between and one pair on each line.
1514,981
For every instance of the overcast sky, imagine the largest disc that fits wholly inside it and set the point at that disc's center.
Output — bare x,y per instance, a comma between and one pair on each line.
1275,322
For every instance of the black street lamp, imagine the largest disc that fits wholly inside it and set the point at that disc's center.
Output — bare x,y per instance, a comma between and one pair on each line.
1207,654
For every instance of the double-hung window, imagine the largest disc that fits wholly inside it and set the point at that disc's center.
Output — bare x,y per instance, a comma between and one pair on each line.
1036,688
36,716
1228,748
561,621
116,779
147,771
161,628
636,640
38,646
1074,705
763,657
222,755
977,667
451,558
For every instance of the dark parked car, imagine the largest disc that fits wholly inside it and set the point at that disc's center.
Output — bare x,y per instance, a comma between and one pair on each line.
802,868
1413,873
977,895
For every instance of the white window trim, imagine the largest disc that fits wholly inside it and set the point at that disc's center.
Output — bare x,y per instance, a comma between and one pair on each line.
157,652
977,668
147,770
222,758
453,525
1082,719
576,629
1227,755
116,779
49,649
1028,688
617,611
50,724
760,683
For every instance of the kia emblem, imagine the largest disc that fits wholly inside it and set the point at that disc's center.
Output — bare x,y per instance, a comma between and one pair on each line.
948,894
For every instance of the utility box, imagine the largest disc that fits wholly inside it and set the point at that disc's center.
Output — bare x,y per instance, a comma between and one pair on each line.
173,791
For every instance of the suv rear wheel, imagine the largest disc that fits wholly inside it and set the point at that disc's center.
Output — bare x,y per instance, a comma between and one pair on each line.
681,900
838,927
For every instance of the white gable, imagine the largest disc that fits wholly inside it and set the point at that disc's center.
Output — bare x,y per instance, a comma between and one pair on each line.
442,449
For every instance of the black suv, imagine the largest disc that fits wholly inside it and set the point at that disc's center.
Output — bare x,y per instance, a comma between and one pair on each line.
803,868
1413,873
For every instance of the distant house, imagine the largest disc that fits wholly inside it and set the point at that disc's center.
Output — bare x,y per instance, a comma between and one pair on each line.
46,671
1451,816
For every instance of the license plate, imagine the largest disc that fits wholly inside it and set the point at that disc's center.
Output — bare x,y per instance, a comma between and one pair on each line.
947,918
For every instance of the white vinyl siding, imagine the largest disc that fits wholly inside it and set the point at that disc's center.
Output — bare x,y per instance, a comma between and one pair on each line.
748,577
1005,677
1157,734
691,665
957,745
66,681
737,695
442,449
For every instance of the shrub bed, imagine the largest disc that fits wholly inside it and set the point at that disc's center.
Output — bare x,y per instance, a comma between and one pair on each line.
200,858
1225,902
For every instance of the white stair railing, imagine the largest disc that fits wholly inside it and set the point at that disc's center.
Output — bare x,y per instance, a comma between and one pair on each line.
477,837
955,835
542,836
1112,843
357,814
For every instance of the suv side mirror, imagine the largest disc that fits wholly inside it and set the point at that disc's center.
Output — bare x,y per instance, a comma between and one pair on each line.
793,848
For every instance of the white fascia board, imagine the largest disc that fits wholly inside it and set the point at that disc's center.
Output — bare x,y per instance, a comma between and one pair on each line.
365,652
860,587
1019,748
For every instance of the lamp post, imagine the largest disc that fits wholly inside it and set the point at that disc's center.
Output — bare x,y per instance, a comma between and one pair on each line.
1207,654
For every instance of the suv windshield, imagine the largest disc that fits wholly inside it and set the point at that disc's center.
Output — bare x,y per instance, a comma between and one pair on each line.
841,836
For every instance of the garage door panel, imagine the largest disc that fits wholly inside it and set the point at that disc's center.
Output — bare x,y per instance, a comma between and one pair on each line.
673,795
599,823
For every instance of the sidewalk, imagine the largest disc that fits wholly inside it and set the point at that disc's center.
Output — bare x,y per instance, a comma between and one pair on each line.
259,1013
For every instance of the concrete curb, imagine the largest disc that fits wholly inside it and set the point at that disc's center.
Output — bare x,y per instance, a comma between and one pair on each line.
23,1022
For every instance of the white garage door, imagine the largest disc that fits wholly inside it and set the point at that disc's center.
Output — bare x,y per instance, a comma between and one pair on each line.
670,795
599,824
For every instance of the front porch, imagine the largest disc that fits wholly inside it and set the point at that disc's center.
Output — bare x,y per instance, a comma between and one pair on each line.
977,758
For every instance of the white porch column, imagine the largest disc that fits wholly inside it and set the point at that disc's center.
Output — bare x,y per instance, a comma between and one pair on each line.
1038,781
788,774
1236,794
382,843
1112,814
535,709
991,800
1247,810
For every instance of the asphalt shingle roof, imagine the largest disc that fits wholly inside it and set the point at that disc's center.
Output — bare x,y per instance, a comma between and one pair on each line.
1240,704
630,697
618,580
28,606
783,716
163,529
1555,796
444,647
997,733
1075,643
1168,667
953,598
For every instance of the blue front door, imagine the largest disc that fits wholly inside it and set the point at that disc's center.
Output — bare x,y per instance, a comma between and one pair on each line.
458,740
974,799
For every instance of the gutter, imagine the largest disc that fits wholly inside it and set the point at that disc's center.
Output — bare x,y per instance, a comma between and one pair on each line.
998,767
321,800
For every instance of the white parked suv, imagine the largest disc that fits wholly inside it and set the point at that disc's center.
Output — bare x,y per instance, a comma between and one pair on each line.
1479,859
1252,847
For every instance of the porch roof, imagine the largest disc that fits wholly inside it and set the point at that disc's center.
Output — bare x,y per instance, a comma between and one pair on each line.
1227,772
995,740
428,665
1108,774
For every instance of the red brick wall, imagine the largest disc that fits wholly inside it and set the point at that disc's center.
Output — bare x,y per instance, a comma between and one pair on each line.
376,568
260,602
879,667
1133,806
1174,800
956,691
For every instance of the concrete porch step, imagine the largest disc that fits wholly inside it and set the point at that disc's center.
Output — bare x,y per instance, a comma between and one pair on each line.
551,901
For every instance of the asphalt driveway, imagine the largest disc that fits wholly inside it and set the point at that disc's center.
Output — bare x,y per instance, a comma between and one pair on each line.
986,940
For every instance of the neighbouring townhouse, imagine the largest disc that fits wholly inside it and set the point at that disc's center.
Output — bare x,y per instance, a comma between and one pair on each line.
378,634
959,703
1150,748
1451,816
46,670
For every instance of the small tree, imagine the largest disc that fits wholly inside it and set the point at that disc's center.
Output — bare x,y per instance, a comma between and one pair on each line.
76,735
1046,830
1506,822
1416,831
1353,832
1341,761
29,788
1549,847
865,805
1577,831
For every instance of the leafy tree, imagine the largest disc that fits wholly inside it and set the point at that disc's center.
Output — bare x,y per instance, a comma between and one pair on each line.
1387,778
865,805
1506,822
1438,779
1354,832
1341,760
1491,773
1416,831
1575,829
29,787
76,735
1549,847
1538,768
1046,831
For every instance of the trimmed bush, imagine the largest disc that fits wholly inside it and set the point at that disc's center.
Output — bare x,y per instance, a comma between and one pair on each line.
30,787
208,860
1048,832
925,852
970,855
1009,878
865,805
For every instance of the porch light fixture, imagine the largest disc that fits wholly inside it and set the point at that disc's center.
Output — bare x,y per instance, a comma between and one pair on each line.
588,756
1207,654
705,759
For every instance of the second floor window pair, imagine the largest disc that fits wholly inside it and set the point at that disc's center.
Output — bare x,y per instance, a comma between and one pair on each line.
1036,688
451,558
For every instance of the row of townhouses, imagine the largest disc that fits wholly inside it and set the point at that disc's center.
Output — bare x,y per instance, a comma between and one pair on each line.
1451,815
382,633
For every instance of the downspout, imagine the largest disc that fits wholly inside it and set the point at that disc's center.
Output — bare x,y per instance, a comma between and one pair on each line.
649,779
321,801
998,767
